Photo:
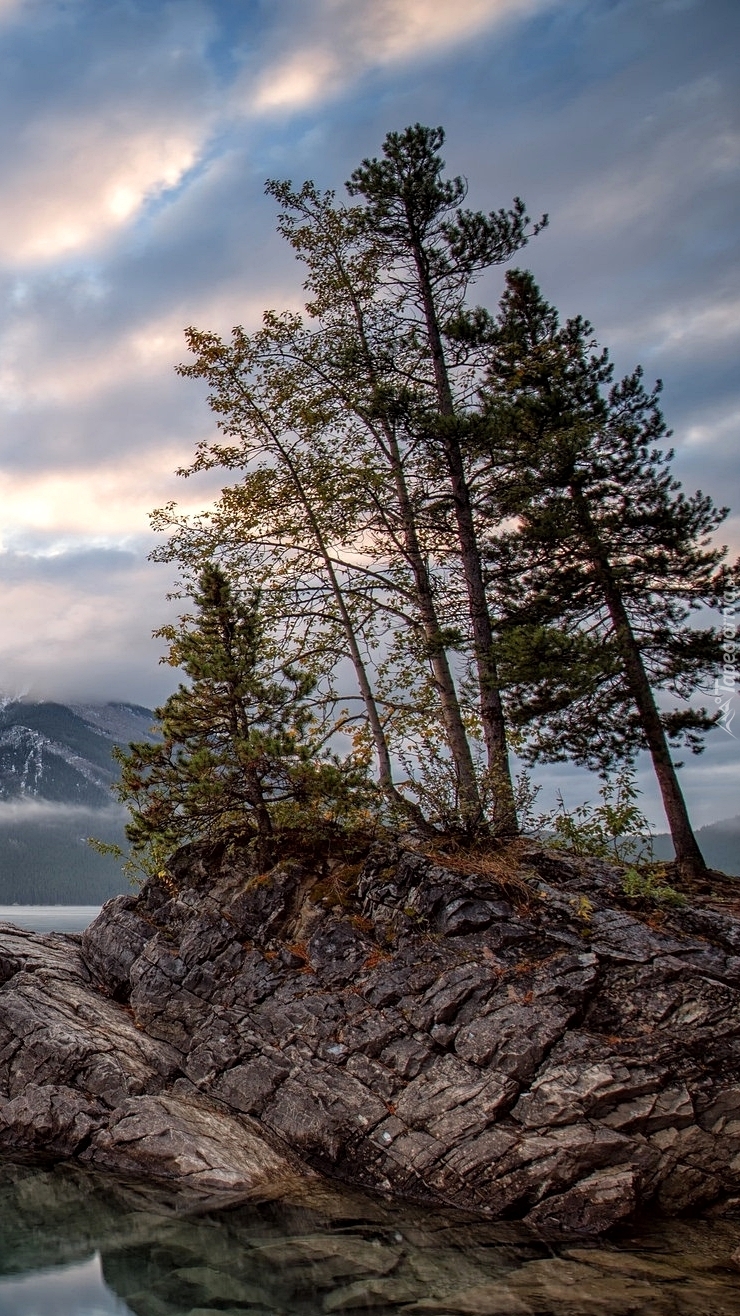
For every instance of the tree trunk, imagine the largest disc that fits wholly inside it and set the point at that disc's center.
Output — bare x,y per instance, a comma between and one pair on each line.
470,801
689,859
457,739
385,769
491,709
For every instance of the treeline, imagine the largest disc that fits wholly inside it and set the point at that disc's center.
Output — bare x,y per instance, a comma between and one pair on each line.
451,533
719,843
51,863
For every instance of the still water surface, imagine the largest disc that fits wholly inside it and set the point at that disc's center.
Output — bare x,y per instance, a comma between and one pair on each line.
74,1244
49,918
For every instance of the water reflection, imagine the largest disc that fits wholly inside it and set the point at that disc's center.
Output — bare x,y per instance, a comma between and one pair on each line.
76,1290
74,1244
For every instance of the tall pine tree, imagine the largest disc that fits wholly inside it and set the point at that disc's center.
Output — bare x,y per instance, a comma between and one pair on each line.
433,250
609,558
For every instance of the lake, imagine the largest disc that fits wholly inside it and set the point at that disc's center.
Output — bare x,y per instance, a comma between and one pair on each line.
49,918
78,1244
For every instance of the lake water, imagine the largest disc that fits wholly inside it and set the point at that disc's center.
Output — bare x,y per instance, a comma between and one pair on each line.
49,918
75,1244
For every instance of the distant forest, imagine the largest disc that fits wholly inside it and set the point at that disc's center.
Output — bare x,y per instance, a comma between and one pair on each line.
51,863
719,843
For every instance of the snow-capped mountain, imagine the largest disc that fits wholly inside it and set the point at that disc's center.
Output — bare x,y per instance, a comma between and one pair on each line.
56,772
62,754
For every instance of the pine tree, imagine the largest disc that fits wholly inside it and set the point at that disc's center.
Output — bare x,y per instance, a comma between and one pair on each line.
433,250
609,559
240,753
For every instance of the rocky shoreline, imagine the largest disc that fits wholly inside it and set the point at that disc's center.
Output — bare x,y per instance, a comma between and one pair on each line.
507,1034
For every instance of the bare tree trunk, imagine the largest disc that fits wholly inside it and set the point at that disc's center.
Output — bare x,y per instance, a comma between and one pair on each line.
491,709
471,807
470,800
689,859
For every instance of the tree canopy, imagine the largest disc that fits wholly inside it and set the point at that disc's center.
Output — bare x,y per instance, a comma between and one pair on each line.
598,581
242,752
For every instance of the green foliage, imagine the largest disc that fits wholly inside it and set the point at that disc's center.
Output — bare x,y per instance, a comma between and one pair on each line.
616,829
646,885
242,754
608,560
460,525
344,424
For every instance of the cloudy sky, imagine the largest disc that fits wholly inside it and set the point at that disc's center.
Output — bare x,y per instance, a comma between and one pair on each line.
135,138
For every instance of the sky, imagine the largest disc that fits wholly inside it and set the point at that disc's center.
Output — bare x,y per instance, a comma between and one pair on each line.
135,139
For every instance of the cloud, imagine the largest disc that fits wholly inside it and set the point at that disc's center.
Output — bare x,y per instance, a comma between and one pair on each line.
14,813
111,502
124,114
342,39
718,426
655,165
695,328
77,181
105,345
86,635
52,562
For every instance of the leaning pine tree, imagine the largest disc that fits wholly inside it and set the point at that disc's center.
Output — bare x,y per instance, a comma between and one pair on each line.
240,753
597,583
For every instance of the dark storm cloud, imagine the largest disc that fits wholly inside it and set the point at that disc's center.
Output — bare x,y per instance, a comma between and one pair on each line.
73,565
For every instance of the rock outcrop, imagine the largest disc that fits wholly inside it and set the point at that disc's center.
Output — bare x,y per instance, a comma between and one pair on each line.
509,1035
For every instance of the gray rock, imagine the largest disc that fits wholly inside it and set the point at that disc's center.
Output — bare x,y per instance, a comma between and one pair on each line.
208,1152
250,1086
50,1118
590,1207
113,942
495,1044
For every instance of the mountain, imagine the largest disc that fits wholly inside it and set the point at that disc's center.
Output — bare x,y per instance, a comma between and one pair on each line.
52,752
719,842
56,771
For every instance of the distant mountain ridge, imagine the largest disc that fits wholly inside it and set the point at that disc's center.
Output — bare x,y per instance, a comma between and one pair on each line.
50,751
56,773
719,843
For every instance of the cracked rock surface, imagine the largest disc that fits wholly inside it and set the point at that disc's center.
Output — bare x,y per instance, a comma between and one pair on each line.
526,1043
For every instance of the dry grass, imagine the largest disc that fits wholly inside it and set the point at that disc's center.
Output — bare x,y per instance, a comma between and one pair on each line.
501,866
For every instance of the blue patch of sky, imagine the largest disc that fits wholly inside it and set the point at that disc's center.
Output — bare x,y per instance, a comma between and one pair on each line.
239,28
